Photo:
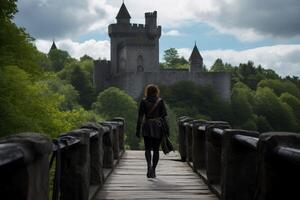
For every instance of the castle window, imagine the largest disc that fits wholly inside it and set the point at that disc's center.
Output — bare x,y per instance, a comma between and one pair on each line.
140,68
140,63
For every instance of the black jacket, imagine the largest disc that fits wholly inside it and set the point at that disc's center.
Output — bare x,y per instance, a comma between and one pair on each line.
148,122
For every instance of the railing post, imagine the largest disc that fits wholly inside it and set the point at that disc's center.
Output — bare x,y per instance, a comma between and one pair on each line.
238,166
75,164
200,141
121,132
108,158
213,157
278,166
96,154
198,144
28,177
181,137
188,141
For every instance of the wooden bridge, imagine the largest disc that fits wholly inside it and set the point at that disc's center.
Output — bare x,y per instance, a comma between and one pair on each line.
90,163
175,180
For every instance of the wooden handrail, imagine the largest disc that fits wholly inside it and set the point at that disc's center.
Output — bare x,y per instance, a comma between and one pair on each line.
247,140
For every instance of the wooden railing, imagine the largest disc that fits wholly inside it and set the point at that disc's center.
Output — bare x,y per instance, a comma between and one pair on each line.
240,164
81,160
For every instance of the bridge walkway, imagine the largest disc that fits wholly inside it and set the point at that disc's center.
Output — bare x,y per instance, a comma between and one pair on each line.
175,180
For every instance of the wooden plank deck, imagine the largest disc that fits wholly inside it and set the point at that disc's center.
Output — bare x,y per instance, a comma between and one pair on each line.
175,180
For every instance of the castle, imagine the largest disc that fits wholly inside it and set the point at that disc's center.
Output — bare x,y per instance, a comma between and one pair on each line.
135,60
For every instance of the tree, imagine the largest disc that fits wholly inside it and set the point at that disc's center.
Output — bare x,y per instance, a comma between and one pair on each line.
279,87
218,66
16,48
81,82
173,60
114,102
262,124
29,106
7,9
279,115
67,91
171,56
58,59
241,100
293,102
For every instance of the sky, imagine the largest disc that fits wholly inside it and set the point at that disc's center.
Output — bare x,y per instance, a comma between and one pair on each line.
266,32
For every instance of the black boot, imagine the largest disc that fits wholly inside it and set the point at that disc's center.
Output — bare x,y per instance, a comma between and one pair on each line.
149,172
153,175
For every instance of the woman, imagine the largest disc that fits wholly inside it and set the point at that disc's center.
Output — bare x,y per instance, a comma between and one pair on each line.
152,113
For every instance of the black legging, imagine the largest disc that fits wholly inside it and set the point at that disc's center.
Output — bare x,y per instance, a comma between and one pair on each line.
152,144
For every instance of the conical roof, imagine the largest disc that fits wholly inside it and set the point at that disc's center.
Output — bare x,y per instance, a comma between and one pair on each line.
53,46
195,54
123,13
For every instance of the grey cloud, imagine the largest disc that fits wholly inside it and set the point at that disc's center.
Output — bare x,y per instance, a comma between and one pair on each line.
279,18
57,18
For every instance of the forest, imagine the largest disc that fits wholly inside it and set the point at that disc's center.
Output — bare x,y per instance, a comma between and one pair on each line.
53,93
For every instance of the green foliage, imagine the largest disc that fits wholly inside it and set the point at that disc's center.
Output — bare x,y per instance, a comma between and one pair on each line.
67,91
7,9
187,98
246,73
32,99
173,60
262,124
58,59
114,102
278,114
218,66
16,49
81,82
293,102
25,106
241,101
172,120
78,74
249,125
280,86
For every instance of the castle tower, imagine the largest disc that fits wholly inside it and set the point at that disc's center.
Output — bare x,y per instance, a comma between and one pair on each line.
134,47
196,60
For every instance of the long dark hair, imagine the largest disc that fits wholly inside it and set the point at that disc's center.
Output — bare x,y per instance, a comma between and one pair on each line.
151,90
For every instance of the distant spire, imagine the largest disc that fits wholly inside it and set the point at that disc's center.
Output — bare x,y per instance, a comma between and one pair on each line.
53,46
123,12
195,53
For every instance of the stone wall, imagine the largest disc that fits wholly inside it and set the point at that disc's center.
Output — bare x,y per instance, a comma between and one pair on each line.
133,83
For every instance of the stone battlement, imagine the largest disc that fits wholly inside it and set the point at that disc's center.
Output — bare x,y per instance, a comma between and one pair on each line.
129,28
102,62
151,14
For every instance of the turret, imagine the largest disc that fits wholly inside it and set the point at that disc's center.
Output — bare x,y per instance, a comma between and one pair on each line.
196,60
151,24
123,16
53,47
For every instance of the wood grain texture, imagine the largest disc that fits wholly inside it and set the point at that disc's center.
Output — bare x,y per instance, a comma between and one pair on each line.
175,180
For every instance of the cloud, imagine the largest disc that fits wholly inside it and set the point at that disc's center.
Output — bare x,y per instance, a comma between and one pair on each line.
247,20
284,59
46,19
93,48
174,33
251,20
